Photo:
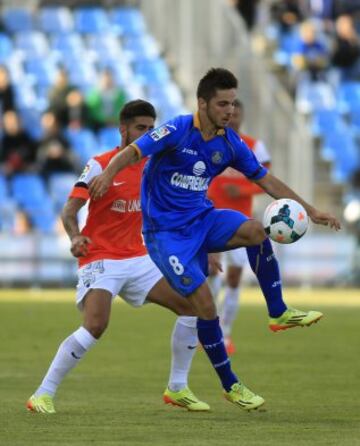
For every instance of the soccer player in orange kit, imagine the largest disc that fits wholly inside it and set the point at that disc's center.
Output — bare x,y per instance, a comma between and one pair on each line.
113,260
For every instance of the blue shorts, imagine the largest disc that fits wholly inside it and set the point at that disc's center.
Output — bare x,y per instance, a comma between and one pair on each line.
182,256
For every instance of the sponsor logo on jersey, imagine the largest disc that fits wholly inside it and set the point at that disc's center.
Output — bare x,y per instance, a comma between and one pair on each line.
189,151
199,168
160,132
126,206
216,157
189,182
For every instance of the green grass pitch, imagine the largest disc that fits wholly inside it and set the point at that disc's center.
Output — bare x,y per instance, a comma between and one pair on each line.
309,377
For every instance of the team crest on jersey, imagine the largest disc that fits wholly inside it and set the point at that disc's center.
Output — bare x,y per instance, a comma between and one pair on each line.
216,157
159,133
185,280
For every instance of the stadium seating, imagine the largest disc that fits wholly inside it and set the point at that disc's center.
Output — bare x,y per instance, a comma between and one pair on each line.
60,185
128,20
55,20
109,137
17,19
84,40
6,47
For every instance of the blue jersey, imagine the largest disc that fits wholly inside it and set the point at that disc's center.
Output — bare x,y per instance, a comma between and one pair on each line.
181,167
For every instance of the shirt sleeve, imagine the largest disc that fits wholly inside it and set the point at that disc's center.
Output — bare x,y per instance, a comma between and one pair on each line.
244,159
261,152
80,189
159,139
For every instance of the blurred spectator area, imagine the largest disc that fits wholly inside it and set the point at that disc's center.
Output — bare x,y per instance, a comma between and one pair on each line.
65,72
314,48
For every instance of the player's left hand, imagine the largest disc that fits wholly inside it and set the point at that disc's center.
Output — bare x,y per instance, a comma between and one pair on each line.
325,219
99,185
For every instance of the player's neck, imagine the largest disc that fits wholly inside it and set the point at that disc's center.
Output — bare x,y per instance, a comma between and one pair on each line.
207,128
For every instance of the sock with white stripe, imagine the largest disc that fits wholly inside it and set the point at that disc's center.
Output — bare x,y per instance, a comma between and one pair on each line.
211,338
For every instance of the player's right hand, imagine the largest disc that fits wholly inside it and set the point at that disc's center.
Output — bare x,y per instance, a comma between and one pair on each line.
99,185
79,245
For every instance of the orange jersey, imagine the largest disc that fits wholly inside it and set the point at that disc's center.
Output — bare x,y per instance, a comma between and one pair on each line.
114,221
220,188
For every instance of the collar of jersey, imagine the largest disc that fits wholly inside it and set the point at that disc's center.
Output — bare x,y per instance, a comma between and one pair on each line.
197,125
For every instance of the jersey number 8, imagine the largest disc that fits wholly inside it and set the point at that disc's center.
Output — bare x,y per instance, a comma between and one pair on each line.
176,265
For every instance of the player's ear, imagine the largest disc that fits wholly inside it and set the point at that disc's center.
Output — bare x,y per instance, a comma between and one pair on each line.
202,104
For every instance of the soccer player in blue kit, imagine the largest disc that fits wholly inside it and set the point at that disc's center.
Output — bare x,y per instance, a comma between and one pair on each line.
181,225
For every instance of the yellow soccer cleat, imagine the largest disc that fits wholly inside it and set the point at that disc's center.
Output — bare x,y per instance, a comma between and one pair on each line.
185,398
42,404
244,397
294,318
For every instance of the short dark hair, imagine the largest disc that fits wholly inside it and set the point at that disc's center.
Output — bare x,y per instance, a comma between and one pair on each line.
136,108
215,79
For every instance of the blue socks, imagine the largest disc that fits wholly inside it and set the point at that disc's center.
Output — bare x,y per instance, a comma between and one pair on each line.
211,338
265,266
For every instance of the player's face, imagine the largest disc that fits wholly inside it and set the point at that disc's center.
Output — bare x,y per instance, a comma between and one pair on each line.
136,128
236,119
221,107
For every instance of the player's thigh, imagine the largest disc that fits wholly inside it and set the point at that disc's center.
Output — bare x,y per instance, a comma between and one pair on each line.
224,223
235,260
106,275
180,257
232,229
96,309
163,294
142,276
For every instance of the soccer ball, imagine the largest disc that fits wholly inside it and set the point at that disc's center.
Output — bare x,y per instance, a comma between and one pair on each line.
285,221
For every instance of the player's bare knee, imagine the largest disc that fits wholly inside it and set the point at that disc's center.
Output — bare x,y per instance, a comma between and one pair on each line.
96,327
233,280
257,233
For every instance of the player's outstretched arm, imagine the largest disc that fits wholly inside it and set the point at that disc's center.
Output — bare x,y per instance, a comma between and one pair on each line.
277,189
79,242
101,183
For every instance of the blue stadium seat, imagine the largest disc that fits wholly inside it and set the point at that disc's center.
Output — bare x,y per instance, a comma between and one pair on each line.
327,120
4,193
341,149
128,20
83,76
60,185
83,142
354,114
17,19
68,43
109,137
6,47
311,96
42,215
8,207
31,121
152,72
348,94
141,47
43,71
91,20
288,45
33,43
56,19
29,189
